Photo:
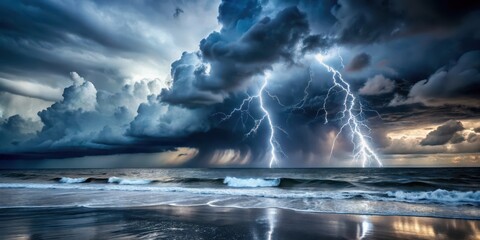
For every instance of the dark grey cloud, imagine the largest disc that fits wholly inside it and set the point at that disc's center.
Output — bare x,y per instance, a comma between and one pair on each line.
443,134
358,62
453,84
161,120
316,43
13,104
214,68
238,15
110,44
363,22
88,120
377,85
188,73
177,12
444,139
15,129
29,89
241,50
472,137
457,138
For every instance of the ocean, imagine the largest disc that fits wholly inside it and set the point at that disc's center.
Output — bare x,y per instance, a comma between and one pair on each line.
428,192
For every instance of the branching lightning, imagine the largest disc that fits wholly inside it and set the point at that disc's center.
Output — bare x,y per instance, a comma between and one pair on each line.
362,151
350,116
243,109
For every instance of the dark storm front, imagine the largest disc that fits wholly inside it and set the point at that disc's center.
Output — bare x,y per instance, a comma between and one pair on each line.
443,192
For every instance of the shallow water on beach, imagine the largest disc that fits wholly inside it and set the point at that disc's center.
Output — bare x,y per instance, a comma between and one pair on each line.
203,222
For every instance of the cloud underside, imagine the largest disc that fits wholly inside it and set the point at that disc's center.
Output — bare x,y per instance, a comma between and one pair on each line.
412,64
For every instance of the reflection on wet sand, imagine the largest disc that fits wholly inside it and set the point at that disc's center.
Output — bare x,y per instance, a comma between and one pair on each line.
364,228
413,227
430,228
271,216
202,222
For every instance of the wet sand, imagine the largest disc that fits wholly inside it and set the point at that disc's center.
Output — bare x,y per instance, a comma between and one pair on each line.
203,222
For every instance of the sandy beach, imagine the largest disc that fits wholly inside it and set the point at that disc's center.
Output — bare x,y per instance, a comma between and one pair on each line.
204,222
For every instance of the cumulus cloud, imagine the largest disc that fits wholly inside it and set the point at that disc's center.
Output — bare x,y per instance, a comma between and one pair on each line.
451,137
449,85
377,85
457,138
358,62
109,44
161,120
82,95
405,145
16,129
213,67
188,73
443,134
84,120
246,46
472,137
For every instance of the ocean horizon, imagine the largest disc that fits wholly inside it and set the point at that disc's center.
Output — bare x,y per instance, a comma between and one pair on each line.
353,195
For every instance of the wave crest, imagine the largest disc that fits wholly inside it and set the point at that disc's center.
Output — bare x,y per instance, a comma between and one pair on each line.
71,180
439,195
125,181
251,182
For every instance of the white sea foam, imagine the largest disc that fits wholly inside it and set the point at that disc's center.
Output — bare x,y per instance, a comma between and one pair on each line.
439,195
423,197
71,180
148,195
251,182
125,181
248,192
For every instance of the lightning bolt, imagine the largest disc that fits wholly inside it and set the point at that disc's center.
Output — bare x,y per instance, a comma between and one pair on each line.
362,151
350,116
243,109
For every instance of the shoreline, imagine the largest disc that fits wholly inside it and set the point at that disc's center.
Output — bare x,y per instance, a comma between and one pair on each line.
211,222
153,206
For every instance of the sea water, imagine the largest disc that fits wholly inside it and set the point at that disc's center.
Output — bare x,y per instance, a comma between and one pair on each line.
434,192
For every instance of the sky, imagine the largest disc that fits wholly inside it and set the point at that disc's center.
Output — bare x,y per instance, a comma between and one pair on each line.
245,83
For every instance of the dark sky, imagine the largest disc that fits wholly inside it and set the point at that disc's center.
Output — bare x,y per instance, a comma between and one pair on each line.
239,83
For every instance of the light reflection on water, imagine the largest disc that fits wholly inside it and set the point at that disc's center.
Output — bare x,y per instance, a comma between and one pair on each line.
364,228
271,216
221,223
414,227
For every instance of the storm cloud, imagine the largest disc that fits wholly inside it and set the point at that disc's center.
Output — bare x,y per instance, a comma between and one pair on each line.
454,84
377,85
89,78
443,134
359,62
247,45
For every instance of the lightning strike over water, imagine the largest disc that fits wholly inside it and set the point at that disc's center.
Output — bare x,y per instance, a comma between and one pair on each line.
362,151
350,116
271,139
243,109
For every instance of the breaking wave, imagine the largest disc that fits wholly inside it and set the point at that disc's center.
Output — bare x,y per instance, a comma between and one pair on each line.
71,180
437,196
126,181
251,182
